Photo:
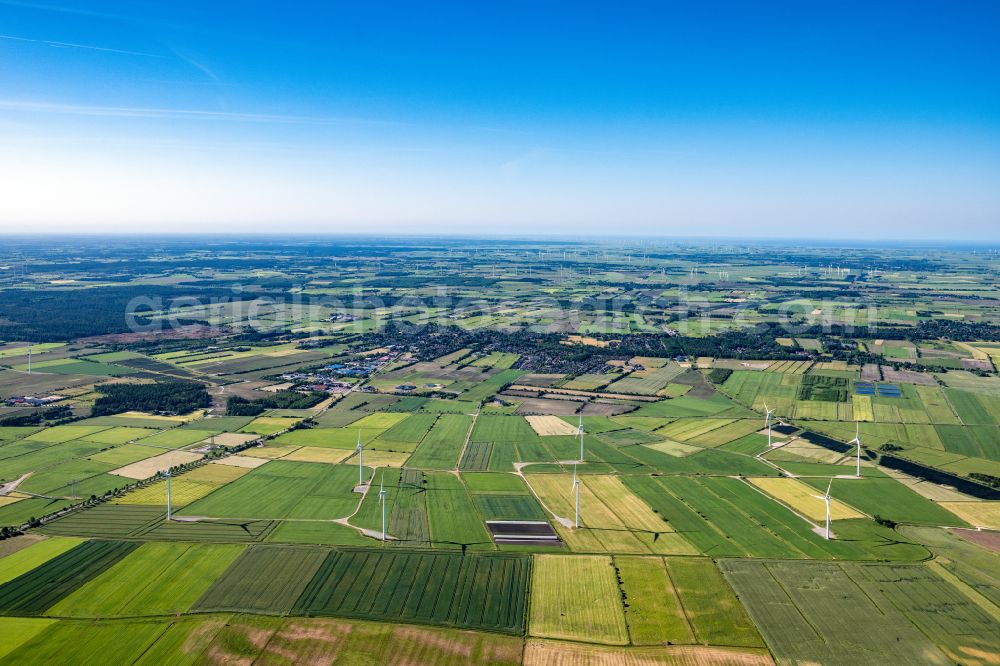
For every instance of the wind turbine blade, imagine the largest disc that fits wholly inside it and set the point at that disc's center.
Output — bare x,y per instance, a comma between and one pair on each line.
828,488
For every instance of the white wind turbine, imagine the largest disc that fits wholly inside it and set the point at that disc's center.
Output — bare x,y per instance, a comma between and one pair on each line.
576,487
579,431
381,499
767,424
857,440
361,462
826,498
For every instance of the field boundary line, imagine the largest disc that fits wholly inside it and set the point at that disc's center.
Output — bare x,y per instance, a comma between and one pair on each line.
677,595
784,591
967,590
465,444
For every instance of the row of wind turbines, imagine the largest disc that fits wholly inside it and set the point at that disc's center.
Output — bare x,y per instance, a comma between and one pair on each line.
826,496
382,495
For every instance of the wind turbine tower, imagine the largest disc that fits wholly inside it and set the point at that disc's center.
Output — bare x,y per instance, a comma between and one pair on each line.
857,441
826,498
579,430
767,423
29,358
361,462
576,488
381,499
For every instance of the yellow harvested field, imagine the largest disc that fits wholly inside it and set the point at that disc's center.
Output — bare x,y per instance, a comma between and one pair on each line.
248,462
540,652
154,417
150,466
633,512
382,458
215,473
803,498
182,493
576,597
186,488
862,408
6,500
550,425
230,439
806,449
979,513
602,530
319,454
582,340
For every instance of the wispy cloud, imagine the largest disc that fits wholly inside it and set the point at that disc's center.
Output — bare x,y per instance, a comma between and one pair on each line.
87,47
201,67
181,114
59,8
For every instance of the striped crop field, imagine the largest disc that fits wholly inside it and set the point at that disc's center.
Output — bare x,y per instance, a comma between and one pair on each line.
803,498
155,579
726,517
442,446
576,597
34,592
26,559
847,613
473,591
612,518
264,579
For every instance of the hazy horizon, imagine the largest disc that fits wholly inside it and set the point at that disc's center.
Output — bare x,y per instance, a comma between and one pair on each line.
778,121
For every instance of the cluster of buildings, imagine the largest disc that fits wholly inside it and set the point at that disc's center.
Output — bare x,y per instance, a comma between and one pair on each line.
32,401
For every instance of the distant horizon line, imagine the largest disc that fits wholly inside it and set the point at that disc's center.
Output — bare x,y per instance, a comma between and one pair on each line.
824,241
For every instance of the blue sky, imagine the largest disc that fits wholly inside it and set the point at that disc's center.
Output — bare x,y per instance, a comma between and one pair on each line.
860,119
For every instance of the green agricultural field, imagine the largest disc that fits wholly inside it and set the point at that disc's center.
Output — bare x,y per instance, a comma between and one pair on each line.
576,597
89,642
474,591
843,613
502,429
483,390
34,592
282,489
889,499
120,435
107,521
26,559
442,446
177,438
15,631
653,610
264,579
975,569
126,454
155,579
712,608
412,429
691,548
509,507
725,517
454,520
495,482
